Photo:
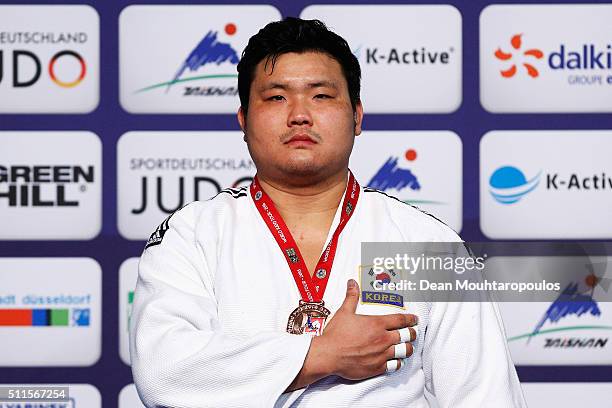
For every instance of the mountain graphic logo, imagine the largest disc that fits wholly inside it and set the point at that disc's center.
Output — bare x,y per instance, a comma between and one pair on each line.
391,176
210,50
571,302
528,55
508,184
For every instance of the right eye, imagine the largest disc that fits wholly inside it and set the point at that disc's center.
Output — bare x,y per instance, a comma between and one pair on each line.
276,98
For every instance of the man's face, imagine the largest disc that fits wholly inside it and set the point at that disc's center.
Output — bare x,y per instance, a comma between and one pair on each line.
300,121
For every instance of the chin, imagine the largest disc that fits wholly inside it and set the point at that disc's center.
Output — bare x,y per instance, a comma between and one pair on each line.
302,171
302,168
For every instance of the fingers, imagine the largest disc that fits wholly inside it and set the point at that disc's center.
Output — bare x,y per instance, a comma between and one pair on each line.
352,296
394,355
405,334
391,366
402,350
398,320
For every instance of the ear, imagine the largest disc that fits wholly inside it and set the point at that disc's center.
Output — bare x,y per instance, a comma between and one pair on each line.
241,119
358,116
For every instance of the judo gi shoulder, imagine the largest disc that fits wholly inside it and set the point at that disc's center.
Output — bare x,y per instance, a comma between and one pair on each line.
194,232
180,353
414,224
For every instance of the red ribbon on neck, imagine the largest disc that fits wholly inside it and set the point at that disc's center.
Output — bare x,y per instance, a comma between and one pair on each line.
312,287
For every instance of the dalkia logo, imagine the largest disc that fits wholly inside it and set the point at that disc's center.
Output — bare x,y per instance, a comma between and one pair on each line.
570,303
209,51
584,63
508,184
43,186
390,176
516,43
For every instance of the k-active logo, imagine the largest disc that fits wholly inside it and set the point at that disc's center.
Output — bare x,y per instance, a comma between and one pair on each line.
390,176
571,302
209,51
584,63
420,56
508,184
66,68
44,186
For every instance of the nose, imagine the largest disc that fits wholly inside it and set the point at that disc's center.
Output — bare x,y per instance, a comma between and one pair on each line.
299,114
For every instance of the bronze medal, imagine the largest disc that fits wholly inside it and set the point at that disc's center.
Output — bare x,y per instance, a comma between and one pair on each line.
308,318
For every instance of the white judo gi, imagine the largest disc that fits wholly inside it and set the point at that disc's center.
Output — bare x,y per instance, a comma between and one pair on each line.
214,294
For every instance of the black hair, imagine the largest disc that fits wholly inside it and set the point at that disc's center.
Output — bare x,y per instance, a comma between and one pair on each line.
296,35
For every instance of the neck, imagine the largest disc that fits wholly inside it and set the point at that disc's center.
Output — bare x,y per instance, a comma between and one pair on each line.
320,198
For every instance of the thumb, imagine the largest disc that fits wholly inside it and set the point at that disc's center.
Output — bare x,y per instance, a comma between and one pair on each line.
352,296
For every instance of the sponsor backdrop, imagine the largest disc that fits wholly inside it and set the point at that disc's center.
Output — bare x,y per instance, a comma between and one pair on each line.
494,118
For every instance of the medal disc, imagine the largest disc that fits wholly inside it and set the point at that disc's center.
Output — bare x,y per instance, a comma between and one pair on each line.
308,318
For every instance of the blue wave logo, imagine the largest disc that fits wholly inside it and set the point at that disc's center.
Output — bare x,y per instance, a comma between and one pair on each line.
508,184
391,176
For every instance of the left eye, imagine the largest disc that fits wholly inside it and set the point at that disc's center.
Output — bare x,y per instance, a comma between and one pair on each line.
322,96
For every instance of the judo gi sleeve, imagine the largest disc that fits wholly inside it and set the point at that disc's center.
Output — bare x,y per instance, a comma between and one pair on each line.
179,353
466,359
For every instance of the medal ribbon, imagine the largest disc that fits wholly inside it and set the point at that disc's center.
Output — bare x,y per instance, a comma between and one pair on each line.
311,288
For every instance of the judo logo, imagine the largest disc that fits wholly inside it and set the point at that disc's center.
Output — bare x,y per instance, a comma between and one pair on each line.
391,176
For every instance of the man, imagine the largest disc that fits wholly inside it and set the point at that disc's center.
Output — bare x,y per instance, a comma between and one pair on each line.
234,293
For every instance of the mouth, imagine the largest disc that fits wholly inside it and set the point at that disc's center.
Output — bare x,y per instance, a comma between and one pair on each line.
301,139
